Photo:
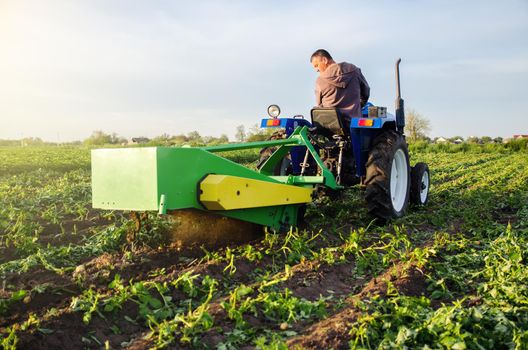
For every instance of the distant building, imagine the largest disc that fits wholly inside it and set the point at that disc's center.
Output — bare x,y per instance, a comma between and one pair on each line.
458,141
138,140
515,137
441,140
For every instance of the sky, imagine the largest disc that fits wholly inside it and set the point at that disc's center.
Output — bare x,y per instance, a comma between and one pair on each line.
145,68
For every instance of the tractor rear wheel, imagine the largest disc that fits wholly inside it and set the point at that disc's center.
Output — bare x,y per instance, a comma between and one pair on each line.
420,182
388,177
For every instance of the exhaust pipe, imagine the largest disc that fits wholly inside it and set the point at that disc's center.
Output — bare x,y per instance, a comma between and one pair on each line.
400,113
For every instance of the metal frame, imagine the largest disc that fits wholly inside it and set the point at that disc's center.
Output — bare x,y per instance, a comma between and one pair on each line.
298,138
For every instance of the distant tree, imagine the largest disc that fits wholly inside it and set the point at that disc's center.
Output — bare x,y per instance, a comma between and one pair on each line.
486,139
416,126
240,134
9,142
163,140
498,140
473,139
207,139
194,136
98,137
455,138
163,137
257,133
179,139
223,139
32,141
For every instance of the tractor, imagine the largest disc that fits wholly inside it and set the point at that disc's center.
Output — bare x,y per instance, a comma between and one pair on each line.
301,158
371,151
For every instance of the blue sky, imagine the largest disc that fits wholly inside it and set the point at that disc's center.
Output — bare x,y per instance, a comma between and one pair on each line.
143,68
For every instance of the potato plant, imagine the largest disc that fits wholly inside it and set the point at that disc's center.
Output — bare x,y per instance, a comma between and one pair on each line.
451,275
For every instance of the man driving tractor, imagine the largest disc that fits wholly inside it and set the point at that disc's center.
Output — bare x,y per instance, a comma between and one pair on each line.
339,85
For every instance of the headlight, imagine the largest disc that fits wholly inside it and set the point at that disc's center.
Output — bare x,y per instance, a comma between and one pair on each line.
273,111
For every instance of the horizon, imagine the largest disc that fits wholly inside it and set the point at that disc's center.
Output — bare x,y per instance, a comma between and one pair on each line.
142,70
432,139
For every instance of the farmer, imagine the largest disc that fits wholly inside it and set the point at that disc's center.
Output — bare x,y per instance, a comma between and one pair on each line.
339,85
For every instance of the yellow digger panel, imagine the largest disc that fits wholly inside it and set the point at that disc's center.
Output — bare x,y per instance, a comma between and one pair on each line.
226,192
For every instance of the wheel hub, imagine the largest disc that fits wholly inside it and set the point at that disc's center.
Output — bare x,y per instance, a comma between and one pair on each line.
399,180
424,188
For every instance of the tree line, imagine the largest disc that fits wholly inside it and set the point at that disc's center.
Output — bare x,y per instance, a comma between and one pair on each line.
417,129
193,138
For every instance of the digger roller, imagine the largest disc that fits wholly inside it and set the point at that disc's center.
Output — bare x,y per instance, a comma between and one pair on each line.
321,153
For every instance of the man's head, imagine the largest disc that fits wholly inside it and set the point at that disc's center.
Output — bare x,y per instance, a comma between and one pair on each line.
320,60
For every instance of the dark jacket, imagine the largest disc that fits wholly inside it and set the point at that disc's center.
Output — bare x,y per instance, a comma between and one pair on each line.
343,86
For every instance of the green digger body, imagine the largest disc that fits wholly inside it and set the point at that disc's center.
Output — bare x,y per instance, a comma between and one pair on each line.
169,178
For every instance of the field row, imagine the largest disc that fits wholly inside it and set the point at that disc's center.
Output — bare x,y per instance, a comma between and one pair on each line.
450,275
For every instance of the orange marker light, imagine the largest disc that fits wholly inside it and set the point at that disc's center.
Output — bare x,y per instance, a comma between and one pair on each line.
366,122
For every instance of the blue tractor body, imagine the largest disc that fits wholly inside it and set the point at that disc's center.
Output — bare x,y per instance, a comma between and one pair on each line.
362,132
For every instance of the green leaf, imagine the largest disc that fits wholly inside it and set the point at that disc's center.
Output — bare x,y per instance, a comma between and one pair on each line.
459,346
437,294
18,295
45,330
155,303
130,320
243,290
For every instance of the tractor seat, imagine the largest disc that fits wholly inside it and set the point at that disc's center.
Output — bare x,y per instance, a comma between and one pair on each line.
328,122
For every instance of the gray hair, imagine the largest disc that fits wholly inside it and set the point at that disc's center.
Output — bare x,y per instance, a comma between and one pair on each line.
321,53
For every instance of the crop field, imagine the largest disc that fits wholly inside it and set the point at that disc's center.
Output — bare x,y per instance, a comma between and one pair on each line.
451,275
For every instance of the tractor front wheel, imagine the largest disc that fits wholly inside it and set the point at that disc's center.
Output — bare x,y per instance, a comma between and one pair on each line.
283,168
420,182
388,179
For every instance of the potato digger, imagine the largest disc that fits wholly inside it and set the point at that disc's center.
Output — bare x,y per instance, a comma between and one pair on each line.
301,159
